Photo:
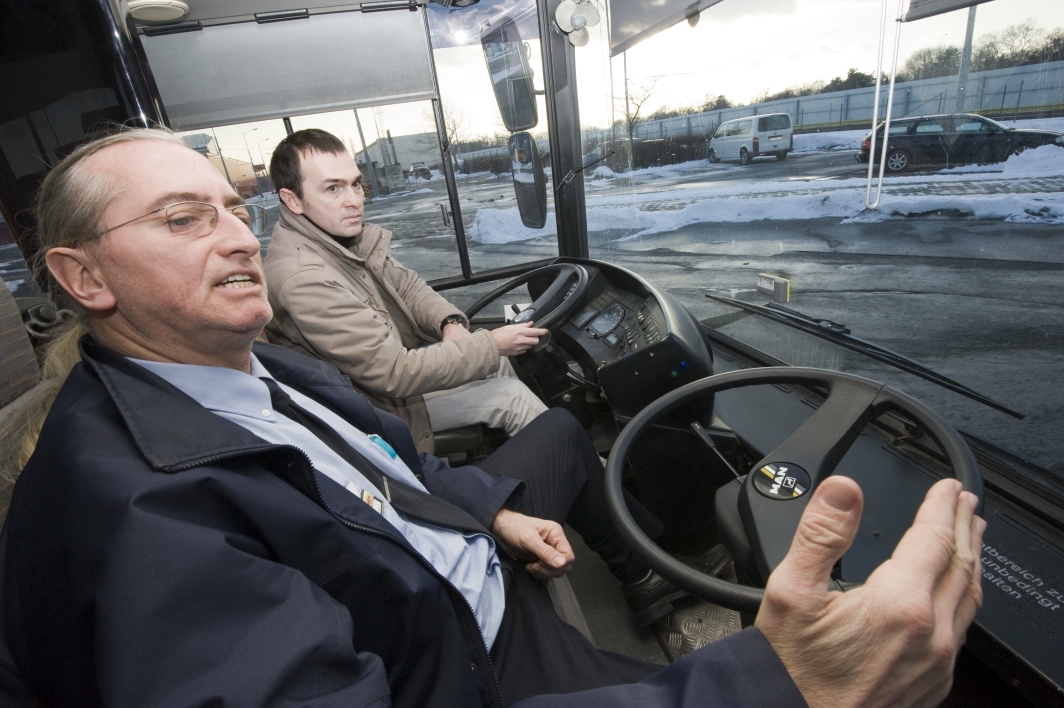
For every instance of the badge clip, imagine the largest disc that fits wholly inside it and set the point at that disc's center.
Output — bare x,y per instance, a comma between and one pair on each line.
374,503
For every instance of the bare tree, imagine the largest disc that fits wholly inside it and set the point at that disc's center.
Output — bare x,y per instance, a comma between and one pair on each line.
931,63
1021,39
1016,45
636,96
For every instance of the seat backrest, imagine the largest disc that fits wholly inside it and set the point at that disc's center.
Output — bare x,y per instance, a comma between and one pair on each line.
18,374
18,363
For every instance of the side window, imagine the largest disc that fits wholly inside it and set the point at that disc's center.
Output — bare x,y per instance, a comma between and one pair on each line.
402,173
901,128
13,269
932,126
733,128
744,127
720,131
972,126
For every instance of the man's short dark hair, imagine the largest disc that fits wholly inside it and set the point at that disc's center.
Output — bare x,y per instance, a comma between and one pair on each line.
284,165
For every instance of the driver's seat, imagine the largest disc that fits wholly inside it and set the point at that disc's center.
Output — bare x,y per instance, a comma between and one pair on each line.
455,444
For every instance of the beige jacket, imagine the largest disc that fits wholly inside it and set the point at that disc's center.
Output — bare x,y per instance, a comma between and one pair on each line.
328,302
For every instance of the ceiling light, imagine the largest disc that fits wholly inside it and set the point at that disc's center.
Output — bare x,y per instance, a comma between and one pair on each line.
158,10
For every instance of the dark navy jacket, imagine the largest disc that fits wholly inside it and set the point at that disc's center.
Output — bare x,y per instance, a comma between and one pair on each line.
159,555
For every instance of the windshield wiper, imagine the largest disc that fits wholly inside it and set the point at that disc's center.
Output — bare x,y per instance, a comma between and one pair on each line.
840,334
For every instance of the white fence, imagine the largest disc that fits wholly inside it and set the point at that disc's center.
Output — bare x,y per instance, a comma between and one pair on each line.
1000,93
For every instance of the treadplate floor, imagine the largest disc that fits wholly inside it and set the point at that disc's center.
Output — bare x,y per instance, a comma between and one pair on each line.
695,623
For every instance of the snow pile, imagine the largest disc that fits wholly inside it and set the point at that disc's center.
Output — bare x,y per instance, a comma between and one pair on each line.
499,226
1044,161
823,142
603,172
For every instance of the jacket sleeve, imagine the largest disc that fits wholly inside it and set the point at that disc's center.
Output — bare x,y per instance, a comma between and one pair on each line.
739,671
344,330
428,306
228,625
470,488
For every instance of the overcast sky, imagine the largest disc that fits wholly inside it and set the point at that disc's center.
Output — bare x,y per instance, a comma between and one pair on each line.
739,48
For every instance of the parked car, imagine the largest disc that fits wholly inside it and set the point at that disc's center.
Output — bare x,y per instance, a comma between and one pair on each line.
955,139
419,170
743,139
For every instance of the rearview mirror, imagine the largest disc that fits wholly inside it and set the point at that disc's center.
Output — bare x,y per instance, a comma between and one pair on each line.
530,184
511,75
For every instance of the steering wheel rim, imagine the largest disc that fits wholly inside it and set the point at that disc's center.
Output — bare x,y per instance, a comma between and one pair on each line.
555,304
861,399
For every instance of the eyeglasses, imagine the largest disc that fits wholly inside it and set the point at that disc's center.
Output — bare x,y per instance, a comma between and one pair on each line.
190,220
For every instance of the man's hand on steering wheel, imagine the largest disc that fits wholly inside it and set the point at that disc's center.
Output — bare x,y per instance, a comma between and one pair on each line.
517,338
894,640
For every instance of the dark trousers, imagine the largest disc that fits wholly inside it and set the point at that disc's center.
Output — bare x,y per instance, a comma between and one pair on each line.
565,482
535,652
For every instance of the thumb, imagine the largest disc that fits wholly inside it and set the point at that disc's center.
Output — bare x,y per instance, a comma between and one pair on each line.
545,552
824,534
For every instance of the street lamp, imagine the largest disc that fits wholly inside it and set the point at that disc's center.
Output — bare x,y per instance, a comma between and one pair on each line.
251,159
258,146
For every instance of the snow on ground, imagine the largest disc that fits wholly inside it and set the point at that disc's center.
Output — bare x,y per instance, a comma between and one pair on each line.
1046,161
652,212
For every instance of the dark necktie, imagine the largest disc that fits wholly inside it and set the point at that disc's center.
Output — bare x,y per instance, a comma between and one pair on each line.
411,501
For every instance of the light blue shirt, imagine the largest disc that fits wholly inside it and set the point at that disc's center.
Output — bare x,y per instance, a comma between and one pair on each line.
469,562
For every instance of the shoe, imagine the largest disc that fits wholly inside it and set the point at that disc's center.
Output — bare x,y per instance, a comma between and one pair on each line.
651,598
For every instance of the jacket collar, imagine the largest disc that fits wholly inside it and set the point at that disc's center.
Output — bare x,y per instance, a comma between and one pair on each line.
373,237
171,429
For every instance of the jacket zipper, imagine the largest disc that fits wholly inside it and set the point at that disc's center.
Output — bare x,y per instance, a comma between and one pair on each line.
401,542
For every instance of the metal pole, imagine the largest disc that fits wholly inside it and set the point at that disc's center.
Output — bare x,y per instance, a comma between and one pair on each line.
369,162
629,128
224,168
447,165
966,62
251,160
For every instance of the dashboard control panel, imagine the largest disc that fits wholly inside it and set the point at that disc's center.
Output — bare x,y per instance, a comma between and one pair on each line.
640,342
622,321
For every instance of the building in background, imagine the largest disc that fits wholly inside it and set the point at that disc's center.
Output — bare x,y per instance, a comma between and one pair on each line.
405,150
248,179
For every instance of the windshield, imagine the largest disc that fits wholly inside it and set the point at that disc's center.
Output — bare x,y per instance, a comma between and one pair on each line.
959,267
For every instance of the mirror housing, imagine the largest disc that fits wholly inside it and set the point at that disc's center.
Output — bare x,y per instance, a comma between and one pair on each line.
511,74
530,184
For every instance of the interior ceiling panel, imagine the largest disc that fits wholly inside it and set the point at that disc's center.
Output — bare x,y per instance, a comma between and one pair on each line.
207,11
632,21
234,73
919,9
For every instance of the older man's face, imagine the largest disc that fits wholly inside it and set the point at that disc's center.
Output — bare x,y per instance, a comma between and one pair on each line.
180,299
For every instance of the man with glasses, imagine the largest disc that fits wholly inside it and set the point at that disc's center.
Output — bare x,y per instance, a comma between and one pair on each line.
338,294
210,521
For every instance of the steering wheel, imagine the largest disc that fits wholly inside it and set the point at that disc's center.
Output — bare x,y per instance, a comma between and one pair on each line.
554,306
775,492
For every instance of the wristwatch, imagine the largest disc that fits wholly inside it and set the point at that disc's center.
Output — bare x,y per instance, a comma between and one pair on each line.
452,319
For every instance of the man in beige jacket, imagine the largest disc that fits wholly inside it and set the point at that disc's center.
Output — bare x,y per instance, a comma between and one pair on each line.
338,295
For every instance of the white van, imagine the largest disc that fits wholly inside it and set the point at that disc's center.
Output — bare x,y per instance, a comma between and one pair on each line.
743,139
